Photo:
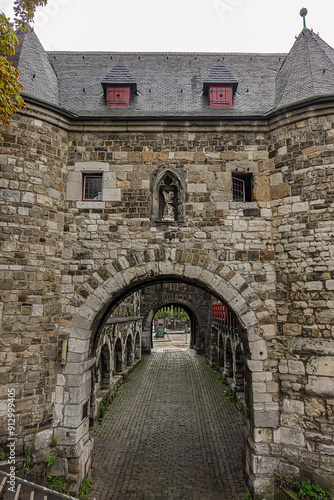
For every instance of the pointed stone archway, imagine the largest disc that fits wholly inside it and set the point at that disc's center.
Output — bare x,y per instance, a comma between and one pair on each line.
130,273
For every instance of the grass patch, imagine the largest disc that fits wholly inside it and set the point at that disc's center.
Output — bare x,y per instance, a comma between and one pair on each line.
84,489
304,489
56,483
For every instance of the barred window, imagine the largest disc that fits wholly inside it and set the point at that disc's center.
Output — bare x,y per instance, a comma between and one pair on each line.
92,187
242,187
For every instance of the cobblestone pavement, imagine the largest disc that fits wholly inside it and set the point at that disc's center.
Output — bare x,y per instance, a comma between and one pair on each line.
170,434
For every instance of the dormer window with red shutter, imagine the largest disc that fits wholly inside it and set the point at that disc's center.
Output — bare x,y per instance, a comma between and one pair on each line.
119,85
221,95
118,95
220,86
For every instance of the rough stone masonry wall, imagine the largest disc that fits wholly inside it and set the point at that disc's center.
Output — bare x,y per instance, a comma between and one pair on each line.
71,256
239,234
302,193
32,162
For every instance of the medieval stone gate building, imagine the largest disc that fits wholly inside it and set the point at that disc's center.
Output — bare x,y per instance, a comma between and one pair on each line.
214,170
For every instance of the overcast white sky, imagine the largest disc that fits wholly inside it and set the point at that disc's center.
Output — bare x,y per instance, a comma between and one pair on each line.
178,25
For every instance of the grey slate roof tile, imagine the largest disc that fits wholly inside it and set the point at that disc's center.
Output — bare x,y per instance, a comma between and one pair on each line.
35,71
119,75
307,71
171,84
168,84
219,74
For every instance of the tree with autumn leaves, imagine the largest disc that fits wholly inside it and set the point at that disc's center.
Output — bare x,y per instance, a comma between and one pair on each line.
10,87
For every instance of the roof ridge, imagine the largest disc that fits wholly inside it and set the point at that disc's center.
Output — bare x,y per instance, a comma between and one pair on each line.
119,53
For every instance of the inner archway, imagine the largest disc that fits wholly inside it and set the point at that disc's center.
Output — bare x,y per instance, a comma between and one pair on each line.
171,324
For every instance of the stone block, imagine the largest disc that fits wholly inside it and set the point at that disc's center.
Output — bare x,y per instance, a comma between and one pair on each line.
78,346
91,204
60,467
323,366
111,194
269,331
258,387
61,381
255,366
300,207
72,415
72,436
262,397
290,436
320,386
91,166
53,193
262,376
28,198
258,350
296,367
77,395
293,406
266,419
314,408
314,286
10,195
329,284
109,180
42,439
261,189
266,465
292,329
280,191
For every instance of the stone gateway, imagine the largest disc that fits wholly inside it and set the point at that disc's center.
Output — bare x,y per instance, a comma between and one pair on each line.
210,170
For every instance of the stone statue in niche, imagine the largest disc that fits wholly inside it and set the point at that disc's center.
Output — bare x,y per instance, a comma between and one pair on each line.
168,199
168,212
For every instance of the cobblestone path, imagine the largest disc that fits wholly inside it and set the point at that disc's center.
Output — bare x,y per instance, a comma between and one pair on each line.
170,434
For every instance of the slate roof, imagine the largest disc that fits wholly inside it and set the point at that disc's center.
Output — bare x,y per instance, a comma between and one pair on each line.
307,71
35,71
119,75
219,74
170,85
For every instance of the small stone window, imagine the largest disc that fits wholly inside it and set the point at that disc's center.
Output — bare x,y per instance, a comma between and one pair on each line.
242,187
92,187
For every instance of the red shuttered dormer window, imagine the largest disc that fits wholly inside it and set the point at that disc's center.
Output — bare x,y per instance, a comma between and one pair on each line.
221,96
118,95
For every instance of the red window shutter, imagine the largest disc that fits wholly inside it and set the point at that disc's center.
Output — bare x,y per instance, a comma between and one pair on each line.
118,95
221,96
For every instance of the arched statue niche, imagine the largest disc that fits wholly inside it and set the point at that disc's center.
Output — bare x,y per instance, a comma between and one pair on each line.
169,196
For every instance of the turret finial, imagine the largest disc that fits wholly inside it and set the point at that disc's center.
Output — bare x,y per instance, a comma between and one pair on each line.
303,13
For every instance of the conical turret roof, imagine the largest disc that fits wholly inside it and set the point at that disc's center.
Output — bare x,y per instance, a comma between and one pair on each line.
307,71
218,75
35,71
